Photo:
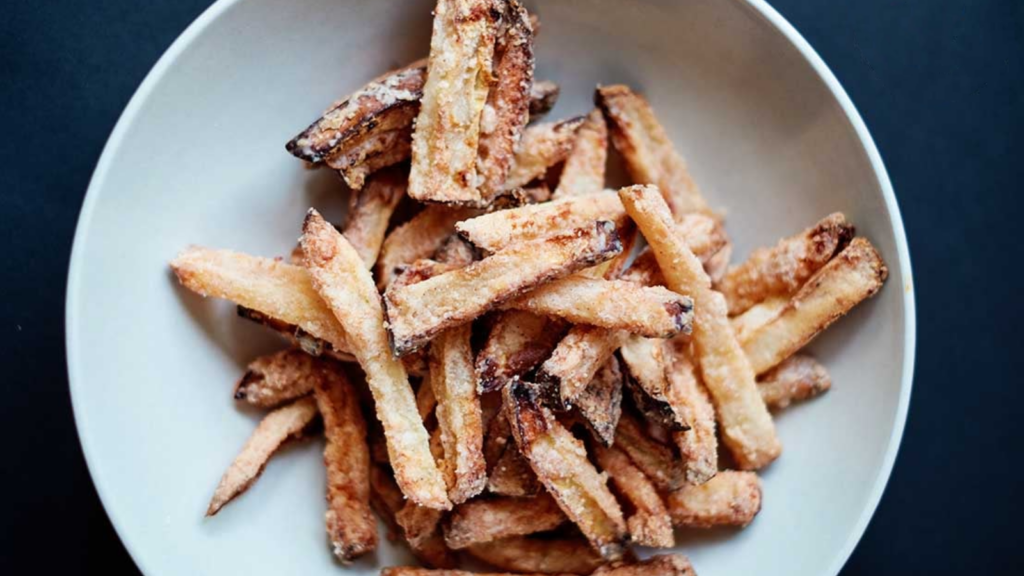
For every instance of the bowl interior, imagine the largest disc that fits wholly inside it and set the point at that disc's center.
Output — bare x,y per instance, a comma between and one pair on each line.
199,158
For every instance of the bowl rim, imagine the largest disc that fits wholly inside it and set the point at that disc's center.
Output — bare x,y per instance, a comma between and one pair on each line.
760,7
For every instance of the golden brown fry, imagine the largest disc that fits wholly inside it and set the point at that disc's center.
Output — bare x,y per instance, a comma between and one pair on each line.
273,379
422,530
705,237
783,268
613,269
577,358
746,426
584,168
417,571
370,212
276,427
350,524
541,147
386,499
512,475
418,312
425,399
347,287
718,263
539,555
600,403
797,378
854,275
560,462
456,252
661,565
282,292
447,128
646,369
757,316
379,148
656,460
417,239
543,96
698,446
517,342
731,498
487,519
650,156
650,524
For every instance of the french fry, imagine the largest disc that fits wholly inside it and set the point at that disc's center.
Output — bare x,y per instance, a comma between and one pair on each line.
379,148
417,571
661,565
783,268
698,445
273,379
600,403
747,428
855,274
650,156
422,530
797,378
541,147
279,291
447,128
757,316
705,236
512,476
585,167
496,230
731,498
717,265
497,440
543,96
418,238
487,519
456,252
517,342
560,462
650,524
655,459
370,212
276,427
347,287
418,312
646,363
386,499
351,527
538,555
650,311
576,360
425,399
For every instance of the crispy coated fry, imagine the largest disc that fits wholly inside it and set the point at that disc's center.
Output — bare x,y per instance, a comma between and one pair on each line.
757,316
421,527
662,565
650,524
656,460
854,275
370,212
497,439
541,147
418,312
518,341
416,239
718,263
276,427
646,363
416,571
346,285
577,358
540,555
797,378
386,499
783,268
456,252
699,445
512,475
747,428
447,128
425,399
484,520
731,498
584,168
377,149
543,96
276,378
560,462
600,403
350,524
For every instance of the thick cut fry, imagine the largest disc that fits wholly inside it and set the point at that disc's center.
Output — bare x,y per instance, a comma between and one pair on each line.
539,555
512,476
346,286
489,519
370,212
517,342
757,316
418,312
746,426
496,230
417,239
458,412
600,403
386,499
650,524
281,292
731,498
577,358
656,460
698,446
276,427
783,268
646,363
543,96
447,129
422,530
350,524
585,167
276,378
854,275
560,462
541,147
508,103
662,565
797,378
650,311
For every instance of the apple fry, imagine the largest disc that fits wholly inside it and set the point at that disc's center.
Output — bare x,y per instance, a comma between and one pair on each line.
488,519
585,167
538,555
650,524
370,212
274,379
797,378
698,445
418,238
600,403
731,498
576,360
646,363
541,147
517,342
656,460
661,565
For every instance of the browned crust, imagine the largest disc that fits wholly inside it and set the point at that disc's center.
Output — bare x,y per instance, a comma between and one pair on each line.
585,166
517,342
273,379
543,97
600,403
539,555
649,524
418,271
422,529
386,499
418,238
304,341
456,252
417,571
663,565
512,475
487,519
370,211
646,370
796,378
541,147
655,459
577,358
731,498
698,445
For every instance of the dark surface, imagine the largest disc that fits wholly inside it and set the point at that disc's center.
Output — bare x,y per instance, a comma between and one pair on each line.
940,85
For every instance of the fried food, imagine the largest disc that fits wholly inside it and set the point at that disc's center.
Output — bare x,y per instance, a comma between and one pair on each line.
649,524
274,379
425,399
418,238
585,167
538,555
386,499
731,498
416,571
600,403
757,316
541,147
646,363
798,377
517,342
655,459
512,475
698,445
456,252
422,529
487,519
370,210
543,96
576,360
661,565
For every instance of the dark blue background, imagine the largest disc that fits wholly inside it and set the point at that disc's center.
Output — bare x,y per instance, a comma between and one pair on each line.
940,84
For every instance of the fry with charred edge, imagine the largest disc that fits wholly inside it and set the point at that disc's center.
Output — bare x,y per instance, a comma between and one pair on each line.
656,460
646,370
650,311
543,96
455,251
418,238
584,168
613,269
698,446
541,147
276,427
512,476
386,499
854,275
661,565
487,519
346,286
757,316
280,291
377,149
370,212
783,268
422,530
508,103
560,462
797,378
458,412
496,230
273,379
447,128
600,403
497,439
517,342
418,312
539,555
747,428
577,358
731,498
350,524
650,524
650,156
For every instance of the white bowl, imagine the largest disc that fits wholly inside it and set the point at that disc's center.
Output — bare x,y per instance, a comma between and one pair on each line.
198,157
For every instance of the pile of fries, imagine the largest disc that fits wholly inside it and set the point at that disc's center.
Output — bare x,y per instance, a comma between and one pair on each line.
533,371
